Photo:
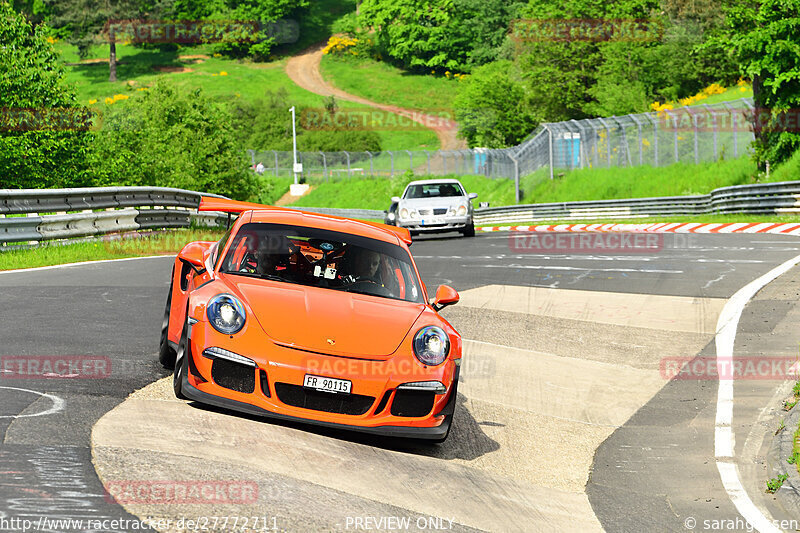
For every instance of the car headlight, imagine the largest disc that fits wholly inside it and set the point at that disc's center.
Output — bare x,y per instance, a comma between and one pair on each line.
390,216
412,213
431,345
462,210
404,213
451,211
226,314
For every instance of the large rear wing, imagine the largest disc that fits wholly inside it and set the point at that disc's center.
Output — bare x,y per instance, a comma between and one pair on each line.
235,207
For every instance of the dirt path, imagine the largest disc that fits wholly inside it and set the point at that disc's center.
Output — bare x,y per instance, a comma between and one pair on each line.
304,70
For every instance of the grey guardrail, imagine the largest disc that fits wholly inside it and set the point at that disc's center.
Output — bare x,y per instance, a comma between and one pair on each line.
767,198
372,214
28,215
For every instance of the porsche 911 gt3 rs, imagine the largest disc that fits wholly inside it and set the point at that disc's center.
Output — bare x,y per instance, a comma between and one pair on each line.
309,317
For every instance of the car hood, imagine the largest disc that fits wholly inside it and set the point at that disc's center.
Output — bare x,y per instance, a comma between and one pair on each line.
309,318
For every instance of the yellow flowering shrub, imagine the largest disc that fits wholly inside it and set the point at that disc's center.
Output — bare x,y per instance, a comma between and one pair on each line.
340,44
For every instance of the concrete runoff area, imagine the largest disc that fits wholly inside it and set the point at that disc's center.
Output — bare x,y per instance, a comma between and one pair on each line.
505,466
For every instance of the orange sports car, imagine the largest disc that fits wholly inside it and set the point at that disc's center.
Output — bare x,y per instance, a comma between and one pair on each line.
312,318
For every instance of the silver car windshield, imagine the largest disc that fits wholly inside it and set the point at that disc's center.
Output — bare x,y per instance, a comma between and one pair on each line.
433,190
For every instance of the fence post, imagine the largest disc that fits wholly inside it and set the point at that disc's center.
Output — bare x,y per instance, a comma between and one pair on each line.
276,162
324,166
714,116
675,122
730,110
348,163
391,171
444,163
550,142
410,161
428,156
655,141
696,147
371,167
252,157
608,140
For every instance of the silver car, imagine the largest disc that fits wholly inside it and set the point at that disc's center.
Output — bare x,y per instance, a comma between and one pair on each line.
430,206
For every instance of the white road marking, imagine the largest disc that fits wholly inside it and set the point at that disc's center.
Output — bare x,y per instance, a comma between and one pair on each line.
58,404
550,267
724,444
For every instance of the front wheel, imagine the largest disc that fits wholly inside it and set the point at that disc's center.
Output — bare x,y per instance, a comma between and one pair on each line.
469,230
181,364
166,355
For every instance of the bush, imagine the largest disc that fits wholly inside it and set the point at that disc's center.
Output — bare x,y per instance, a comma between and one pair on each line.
491,107
168,138
37,148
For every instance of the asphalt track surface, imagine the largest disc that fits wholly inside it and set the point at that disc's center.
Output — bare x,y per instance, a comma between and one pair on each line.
649,473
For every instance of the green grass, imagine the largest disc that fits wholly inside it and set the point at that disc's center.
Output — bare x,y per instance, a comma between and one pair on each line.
638,182
241,79
163,243
386,84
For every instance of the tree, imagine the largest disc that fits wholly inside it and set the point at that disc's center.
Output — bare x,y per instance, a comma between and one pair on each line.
85,20
172,138
764,37
44,135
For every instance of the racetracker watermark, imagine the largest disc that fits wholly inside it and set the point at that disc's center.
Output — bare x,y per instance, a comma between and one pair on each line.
179,492
585,29
476,366
587,243
54,367
711,368
376,119
46,119
284,31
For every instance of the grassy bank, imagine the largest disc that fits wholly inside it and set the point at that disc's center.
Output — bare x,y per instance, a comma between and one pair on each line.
196,68
588,184
389,84
163,243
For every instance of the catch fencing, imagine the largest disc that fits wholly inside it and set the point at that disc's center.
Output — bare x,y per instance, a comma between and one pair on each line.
690,134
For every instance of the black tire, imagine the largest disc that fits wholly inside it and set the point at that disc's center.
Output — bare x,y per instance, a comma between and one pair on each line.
166,354
181,364
454,399
469,230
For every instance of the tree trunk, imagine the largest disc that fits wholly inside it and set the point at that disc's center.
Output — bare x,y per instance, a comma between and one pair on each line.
112,60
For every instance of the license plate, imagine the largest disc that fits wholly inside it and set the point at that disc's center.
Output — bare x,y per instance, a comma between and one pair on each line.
324,384
432,221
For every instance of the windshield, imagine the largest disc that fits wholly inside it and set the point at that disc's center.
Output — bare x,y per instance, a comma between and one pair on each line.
321,258
434,190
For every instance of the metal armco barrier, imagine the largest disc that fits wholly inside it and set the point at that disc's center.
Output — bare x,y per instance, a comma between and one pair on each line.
102,210
373,214
757,199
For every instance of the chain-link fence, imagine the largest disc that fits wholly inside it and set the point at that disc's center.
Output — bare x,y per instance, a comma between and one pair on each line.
691,134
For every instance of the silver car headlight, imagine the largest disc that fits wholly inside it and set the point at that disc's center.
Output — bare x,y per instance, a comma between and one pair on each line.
431,345
404,213
451,211
226,314
412,213
462,210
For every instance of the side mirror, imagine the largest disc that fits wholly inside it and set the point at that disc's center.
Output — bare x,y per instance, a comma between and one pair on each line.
395,199
193,254
445,295
472,195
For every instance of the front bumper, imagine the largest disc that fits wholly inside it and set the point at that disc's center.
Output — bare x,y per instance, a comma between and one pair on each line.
278,369
443,223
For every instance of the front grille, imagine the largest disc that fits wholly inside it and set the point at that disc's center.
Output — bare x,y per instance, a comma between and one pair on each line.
343,404
440,211
424,211
412,403
233,376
